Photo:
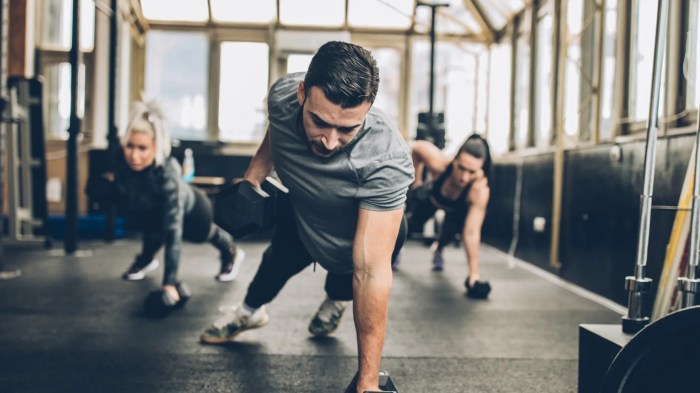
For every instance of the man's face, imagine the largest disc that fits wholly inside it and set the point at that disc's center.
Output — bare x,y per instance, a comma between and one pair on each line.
328,126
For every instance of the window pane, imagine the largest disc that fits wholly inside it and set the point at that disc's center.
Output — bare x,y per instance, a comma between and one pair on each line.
264,11
57,28
373,13
482,94
242,91
176,10
608,76
521,108
455,19
389,62
543,86
57,98
296,12
691,65
498,11
499,98
454,88
298,63
642,60
572,84
176,76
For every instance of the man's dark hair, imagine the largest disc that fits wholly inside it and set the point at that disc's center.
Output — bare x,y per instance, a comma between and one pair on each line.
346,73
477,147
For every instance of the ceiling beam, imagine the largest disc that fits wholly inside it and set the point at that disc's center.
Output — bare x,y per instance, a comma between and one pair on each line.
477,10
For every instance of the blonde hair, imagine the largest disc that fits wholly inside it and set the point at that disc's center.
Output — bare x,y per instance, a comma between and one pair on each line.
147,117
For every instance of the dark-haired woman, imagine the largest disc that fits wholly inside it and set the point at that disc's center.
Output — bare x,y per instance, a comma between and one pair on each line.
459,186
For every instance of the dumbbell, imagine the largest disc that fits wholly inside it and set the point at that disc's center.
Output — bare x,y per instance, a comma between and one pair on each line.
160,303
385,384
242,208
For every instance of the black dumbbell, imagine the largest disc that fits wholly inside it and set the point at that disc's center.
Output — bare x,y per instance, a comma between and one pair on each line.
160,303
385,384
242,209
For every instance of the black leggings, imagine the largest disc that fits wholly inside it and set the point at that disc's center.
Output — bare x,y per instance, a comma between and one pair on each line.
286,256
423,210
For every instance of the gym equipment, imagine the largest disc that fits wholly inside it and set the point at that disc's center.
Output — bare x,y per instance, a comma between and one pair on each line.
385,384
638,285
662,357
26,164
160,303
242,209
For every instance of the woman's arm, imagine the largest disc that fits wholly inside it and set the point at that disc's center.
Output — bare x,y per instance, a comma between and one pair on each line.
478,198
425,154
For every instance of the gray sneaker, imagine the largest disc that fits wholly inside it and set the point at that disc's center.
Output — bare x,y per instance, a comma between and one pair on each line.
327,317
227,327
438,262
138,270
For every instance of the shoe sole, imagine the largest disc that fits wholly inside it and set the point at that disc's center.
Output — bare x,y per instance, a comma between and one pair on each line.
240,255
204,339
153,265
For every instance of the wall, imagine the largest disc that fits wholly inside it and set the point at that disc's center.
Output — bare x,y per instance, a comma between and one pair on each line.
600,211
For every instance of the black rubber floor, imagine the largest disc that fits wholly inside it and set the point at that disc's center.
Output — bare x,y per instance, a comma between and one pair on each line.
70,324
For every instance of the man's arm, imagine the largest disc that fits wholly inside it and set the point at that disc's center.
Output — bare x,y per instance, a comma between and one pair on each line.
478,200
261,164
375,239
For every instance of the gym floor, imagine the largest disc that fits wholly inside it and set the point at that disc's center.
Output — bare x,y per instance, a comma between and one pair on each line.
70,324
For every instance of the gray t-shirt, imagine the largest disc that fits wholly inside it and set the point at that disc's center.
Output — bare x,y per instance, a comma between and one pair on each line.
372,172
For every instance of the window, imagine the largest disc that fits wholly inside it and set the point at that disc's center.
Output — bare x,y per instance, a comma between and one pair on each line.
297,13
642,59
572,84
691,65
264,11
499,97
455,80
397,14
389,62
608,71
176,10
176,77
242,91
543,86
521,109
57,30
57,93
298,62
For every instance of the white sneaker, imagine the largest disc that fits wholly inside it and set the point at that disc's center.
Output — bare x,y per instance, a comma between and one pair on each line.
327,317
227,327
229,269
138,270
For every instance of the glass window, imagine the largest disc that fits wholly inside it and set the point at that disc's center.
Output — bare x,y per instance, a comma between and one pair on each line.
691,65
176,76
57,28
176,10
482,92
498,11
397,14
297,12
57,98
642,59
242,91
543,86
499,97
124,73
264,11
298,62
389,62
608,71
572,84
521,110
455,19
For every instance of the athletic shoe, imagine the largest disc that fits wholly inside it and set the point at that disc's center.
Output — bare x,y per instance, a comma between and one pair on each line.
327,317
230,263
139,268
227,327
480,289
438,262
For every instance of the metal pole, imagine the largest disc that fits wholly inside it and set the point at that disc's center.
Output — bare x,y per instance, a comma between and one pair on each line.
690,285
639,285
76,59
4,21
112,133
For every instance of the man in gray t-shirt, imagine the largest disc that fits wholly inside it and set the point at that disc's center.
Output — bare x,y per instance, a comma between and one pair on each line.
347,170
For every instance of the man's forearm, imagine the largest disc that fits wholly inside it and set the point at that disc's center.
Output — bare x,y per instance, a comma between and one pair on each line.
370,307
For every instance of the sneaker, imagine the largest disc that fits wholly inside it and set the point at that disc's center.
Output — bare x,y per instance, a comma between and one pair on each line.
438,262
230,264
327,317
237,320
138,269
480,289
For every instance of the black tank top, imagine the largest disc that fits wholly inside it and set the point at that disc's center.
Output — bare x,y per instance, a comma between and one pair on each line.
445,203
